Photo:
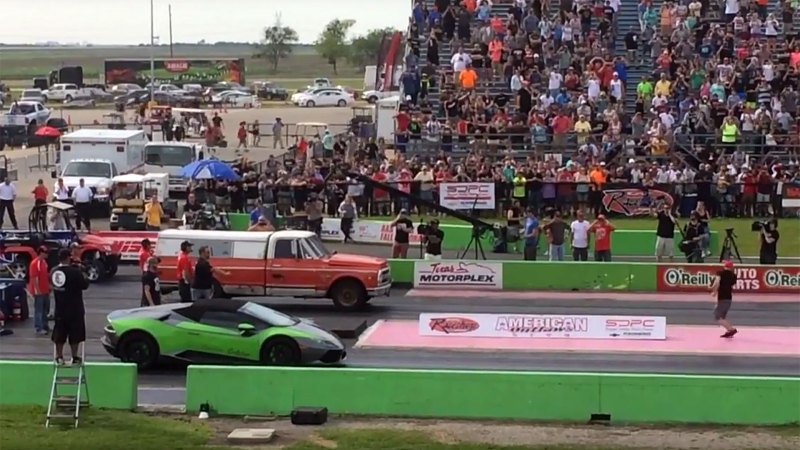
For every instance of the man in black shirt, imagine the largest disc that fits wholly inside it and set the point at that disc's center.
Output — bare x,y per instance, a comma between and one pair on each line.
151,285
768,253
692,235
203,282
665,233
69,282
723,290
433,241
402,228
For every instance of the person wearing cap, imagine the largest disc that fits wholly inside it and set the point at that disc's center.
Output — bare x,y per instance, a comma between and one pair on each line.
145,252
185,272
39,287
68,282
722,289
261,225
151,285
402,229
692,235
433,238
602,230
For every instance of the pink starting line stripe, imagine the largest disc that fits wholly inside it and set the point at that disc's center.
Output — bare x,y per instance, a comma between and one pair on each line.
583,295
681,339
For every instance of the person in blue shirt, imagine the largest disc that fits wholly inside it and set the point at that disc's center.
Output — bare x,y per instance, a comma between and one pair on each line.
531,235
419,17
256,213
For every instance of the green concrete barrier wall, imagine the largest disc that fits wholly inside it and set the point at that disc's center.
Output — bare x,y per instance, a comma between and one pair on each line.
583,276
572,397
402,270
111,385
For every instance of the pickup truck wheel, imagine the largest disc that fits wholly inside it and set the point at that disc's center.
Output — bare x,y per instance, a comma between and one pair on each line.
349,294
95,269
280,351
68,98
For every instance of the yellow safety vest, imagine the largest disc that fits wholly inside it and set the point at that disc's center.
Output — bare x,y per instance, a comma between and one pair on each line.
729,134
519,187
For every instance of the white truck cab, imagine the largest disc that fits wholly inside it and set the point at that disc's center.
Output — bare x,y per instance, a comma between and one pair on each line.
64,91
97,156
26,113
171,158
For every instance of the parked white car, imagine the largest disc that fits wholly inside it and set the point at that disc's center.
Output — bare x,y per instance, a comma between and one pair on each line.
236,99
324,97
25,113
373,96
65,92
124,88
31,95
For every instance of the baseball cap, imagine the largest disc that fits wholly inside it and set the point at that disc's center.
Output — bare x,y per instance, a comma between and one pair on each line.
728,264
145,241
186,245
43,249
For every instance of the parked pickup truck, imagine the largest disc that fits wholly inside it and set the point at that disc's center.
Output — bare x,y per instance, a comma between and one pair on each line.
65,92
279,263
27,114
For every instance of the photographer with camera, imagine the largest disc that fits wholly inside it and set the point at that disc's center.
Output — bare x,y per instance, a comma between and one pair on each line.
768,231
432,237
692,236
402,228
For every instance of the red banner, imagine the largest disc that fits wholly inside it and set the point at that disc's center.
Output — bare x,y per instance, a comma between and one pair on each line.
749,278
129,243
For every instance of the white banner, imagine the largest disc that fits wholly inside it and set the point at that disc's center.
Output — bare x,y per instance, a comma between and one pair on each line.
467,195
543,326
458,274
364,231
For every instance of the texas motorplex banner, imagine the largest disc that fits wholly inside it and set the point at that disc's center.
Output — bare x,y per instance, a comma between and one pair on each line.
364,232
467,195
749,278
543,326
458,274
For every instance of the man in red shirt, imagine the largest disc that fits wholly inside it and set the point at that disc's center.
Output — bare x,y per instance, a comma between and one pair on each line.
145,252
602,230
185,272
39,287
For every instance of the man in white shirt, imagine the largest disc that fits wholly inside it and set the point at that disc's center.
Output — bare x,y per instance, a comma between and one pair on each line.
82,196
460,61
579,229
8,193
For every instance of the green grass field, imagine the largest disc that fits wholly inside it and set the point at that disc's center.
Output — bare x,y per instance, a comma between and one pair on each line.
23,429
20,64
748,242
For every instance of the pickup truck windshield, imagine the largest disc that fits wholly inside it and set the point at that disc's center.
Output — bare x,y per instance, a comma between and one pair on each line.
267,315
316,246
87,169
168,155
23,109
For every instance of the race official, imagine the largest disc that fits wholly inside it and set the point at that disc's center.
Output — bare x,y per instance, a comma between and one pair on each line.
722,289
8,194
82,196
185,272
151,285
39,287
68,282
204,272
145,252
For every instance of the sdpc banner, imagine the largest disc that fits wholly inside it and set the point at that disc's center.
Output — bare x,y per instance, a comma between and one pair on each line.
458,274
749,278
467,195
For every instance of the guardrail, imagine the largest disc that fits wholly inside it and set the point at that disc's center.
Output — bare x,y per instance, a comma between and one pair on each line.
572,397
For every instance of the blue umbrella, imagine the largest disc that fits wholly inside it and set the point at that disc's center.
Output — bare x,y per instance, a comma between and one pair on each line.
209,169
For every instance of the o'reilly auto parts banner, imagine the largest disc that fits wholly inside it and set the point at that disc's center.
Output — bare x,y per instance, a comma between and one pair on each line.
460,274
750,278
543,326
467,195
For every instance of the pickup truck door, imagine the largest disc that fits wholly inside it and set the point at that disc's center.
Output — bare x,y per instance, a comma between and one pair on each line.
288,274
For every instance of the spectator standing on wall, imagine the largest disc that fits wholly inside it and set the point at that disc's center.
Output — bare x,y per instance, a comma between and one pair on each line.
557,229
602,230
402,229
579,230
665,233
531,235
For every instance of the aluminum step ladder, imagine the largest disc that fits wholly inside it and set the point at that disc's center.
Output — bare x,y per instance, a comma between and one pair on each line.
69,392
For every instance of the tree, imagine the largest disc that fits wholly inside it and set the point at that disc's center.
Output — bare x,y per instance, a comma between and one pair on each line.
332,42
365,48
277,43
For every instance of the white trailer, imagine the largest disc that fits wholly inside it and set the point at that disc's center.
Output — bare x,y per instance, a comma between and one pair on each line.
171,158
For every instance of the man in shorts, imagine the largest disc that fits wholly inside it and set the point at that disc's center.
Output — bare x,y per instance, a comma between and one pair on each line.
665,233
722,289
68,282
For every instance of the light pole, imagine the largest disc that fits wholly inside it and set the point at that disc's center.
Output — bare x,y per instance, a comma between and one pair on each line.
152,54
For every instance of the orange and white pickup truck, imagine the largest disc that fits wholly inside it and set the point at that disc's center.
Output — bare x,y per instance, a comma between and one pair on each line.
278,264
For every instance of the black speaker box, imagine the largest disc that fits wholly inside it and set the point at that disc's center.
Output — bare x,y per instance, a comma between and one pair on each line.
307,415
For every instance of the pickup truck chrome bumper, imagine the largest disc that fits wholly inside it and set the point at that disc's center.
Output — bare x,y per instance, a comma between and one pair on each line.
382,290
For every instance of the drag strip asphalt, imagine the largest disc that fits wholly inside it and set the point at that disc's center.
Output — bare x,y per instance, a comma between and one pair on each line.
165,385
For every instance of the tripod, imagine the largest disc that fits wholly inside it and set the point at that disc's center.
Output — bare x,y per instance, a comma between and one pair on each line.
729,247
475,244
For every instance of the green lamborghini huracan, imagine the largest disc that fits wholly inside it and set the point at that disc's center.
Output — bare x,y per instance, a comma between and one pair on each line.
218,331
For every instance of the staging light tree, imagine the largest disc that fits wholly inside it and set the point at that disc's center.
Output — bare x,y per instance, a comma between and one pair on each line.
277,43
332,43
